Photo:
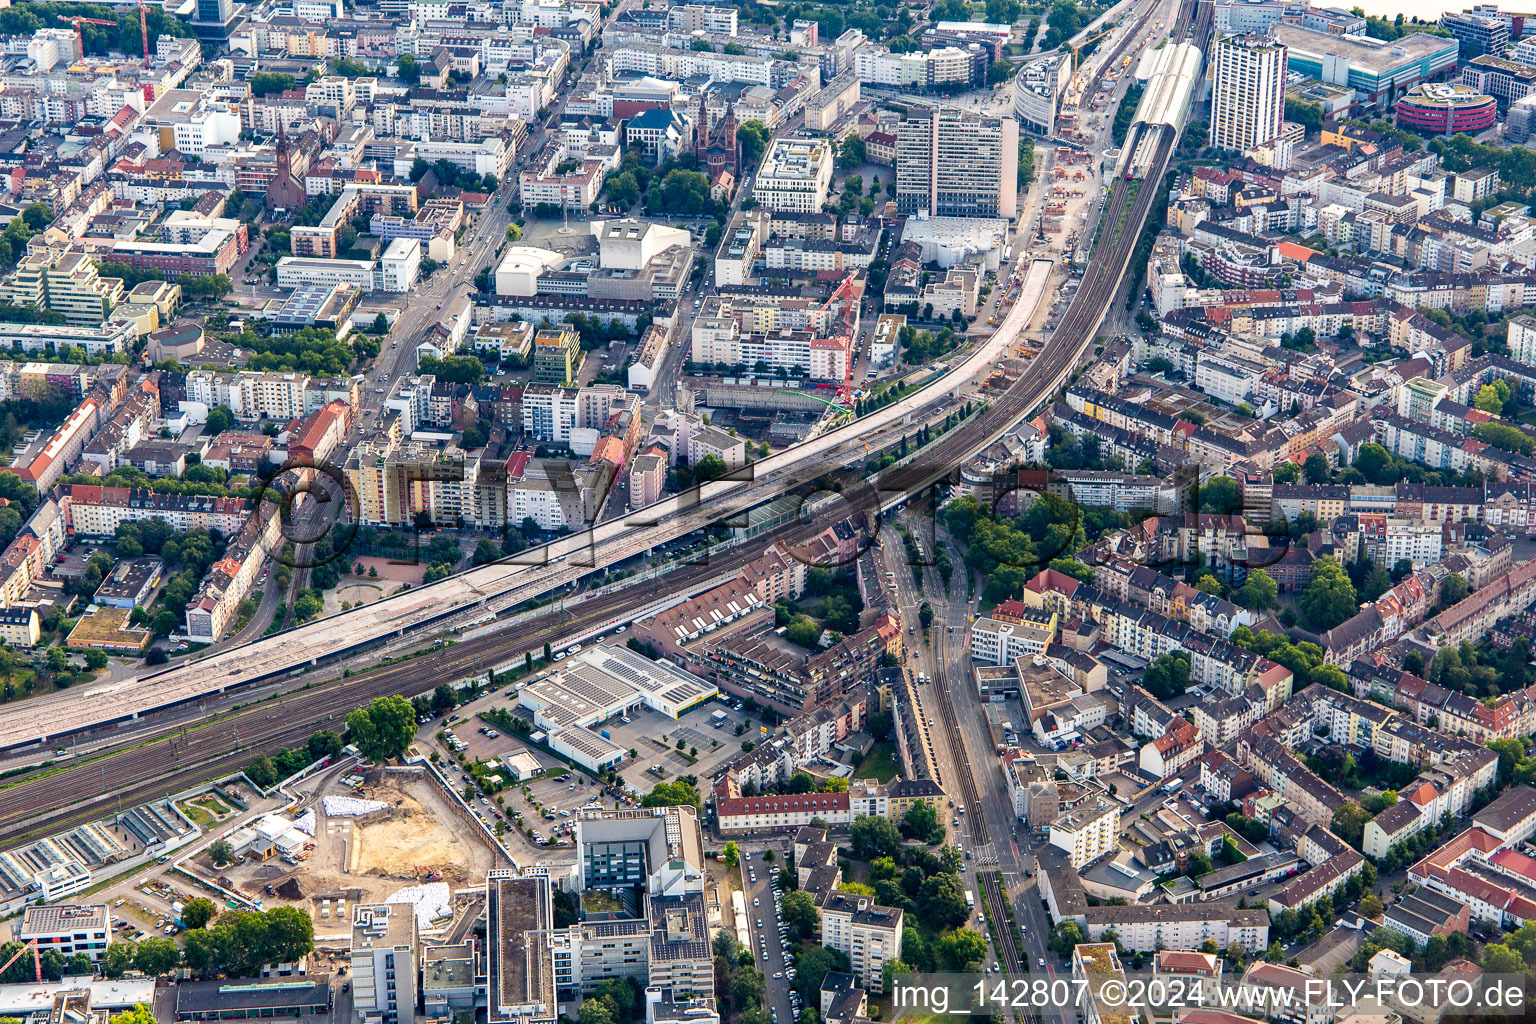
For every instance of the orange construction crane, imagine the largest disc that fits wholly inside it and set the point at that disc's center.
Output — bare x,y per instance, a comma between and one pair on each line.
37,961
144,30
77,21
1082,44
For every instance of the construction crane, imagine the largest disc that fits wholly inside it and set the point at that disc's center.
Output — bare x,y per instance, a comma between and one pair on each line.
144,30
77,21
37,961
844,291
1079,46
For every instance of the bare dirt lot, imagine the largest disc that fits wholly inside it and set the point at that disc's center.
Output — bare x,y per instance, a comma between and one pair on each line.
369,858
409,834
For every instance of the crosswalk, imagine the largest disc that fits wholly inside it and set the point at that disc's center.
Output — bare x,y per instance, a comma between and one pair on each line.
985,855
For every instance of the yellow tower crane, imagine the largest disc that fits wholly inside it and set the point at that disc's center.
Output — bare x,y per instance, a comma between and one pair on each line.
1082,44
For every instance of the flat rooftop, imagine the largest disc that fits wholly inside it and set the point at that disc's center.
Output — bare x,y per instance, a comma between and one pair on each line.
108,627
63,918
1371,55
521,971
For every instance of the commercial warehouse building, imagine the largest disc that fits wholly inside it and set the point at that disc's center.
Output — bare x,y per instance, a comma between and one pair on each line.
1378,71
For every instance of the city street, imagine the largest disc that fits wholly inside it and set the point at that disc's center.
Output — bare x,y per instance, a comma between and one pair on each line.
768,949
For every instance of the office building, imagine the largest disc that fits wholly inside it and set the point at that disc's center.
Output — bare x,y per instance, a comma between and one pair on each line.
1476,34
248,998
657,848
384,963
68,929
957,163
215,19
1376,70
795,176
556,356
1437,108
521,956
63,282
1248,97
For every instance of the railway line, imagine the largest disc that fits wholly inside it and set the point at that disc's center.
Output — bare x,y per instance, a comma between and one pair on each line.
190,755
185,756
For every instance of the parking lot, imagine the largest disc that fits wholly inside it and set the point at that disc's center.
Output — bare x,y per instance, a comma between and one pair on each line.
654,738
707,734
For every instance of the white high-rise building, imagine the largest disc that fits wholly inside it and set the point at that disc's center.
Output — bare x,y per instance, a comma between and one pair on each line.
1248,100
384,963
957,163
1522,340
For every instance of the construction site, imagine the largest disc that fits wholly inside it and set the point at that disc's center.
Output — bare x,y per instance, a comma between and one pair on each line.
362,839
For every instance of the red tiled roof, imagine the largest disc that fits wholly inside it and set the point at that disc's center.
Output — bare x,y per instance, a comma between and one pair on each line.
781,803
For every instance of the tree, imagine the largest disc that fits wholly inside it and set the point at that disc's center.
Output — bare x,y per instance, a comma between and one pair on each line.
1220,495
1167,676
119,958
962,950
1502,435
710,467
922,822
443,698
1370,906
925,615
1454,590
1349,823
1068,936
220,419
681,193
812,966
731,855
799,911
1373,460
384,729
1489,400
1258,592
408,69
157,956
1316,469
752,139
678,793
198,912
1500,959
221,852
941,902
265,83
1209,584
95,659
140,1014
804,631
322,744
874,837
595,1011
852,152
621,998
1329,597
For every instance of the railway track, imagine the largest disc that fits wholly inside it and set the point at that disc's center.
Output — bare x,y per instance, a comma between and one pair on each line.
1138,32
184,757
187,756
